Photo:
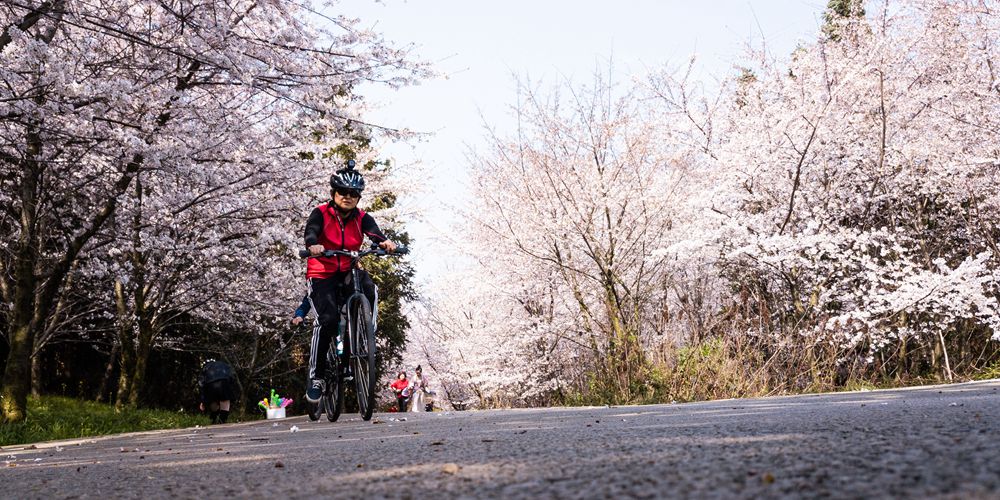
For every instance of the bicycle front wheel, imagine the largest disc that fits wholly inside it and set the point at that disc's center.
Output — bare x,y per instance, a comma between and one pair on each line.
333,400
363,360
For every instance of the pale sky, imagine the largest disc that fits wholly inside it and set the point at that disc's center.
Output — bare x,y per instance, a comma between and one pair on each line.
479,46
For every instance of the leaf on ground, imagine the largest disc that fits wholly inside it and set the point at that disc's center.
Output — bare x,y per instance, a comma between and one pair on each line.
279,465
437,443
767,478
450,468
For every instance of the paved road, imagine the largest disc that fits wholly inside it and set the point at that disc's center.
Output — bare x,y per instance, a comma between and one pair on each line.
934,441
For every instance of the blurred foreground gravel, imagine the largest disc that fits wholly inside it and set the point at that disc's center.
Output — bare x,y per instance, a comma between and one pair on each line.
941,441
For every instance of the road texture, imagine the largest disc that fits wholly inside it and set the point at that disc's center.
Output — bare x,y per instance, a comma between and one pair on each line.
939,441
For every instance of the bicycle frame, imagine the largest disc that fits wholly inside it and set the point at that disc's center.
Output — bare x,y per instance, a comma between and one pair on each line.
355,280
365,378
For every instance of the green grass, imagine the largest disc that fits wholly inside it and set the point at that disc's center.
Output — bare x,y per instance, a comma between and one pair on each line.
56,417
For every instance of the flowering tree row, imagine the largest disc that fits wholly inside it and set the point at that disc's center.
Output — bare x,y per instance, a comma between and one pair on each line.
832,215
166,151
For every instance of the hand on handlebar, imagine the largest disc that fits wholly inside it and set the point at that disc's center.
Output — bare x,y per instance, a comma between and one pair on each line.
388,246
316,250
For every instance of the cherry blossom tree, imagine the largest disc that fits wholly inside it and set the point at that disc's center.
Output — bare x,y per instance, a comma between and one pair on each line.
567,214
853,190
103,99
478,343
840,203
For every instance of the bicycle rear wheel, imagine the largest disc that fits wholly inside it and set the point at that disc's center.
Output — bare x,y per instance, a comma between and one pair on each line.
363,358
333,399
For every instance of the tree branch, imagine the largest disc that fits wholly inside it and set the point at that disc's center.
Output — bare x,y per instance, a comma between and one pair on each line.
30,20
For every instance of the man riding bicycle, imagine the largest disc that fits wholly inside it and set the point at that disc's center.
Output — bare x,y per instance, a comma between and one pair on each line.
336,225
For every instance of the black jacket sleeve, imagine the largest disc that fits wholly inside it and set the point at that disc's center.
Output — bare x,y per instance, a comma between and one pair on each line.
370,228
314,226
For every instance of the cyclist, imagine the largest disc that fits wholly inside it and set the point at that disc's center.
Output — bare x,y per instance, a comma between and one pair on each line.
336,225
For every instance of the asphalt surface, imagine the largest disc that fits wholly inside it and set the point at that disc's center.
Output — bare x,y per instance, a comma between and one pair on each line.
941,442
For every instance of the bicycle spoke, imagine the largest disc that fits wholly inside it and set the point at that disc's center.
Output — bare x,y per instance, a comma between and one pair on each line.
364,358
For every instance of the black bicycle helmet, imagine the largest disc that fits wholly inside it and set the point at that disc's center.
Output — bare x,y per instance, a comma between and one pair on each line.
348,178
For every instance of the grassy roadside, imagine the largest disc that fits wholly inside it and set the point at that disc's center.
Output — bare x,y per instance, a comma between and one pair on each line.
57,417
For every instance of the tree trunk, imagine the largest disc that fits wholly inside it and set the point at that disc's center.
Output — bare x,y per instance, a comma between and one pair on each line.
126,365
904,369
125,344
146,334
138,380
36,374
141,312
240,402
108,371
17,374
935,357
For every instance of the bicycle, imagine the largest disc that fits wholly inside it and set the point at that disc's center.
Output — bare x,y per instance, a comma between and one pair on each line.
361,321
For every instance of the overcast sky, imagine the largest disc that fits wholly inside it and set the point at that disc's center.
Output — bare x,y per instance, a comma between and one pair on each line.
479,46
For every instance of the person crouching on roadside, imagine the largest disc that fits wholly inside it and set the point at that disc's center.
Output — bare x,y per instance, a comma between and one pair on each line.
217,385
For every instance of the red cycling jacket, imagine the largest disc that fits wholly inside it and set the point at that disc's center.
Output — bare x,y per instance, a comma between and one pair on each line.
326,227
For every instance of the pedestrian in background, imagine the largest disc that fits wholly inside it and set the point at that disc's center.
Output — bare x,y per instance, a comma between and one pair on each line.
217,385
401,387
418,387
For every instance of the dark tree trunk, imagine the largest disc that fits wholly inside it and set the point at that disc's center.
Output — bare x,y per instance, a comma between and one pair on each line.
146,334
108,372
36,374
17,374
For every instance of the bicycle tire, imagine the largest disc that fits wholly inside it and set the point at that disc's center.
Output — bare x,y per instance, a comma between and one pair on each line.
363,344
314,411
333,400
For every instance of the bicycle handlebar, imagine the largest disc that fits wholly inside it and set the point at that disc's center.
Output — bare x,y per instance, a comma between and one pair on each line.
400,250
